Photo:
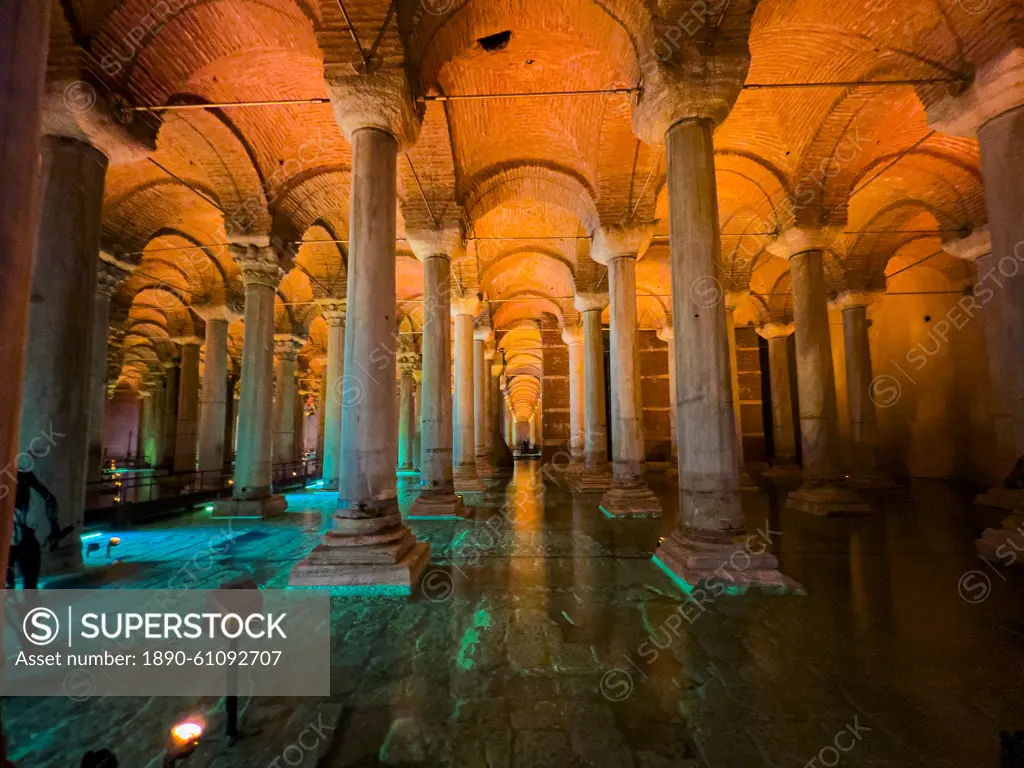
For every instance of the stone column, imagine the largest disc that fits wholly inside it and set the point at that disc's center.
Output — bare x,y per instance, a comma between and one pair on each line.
230,418
187,432
629,496
464,309
417,377
710,526
213,407
369,546
863,422
783,430
252,494
992,110
437,496
24,34
54,435
481,384
107,278
170,417
533,430
154,447
666,334
823,491
501,457
596,475
286,348
406,409
573,338
334,314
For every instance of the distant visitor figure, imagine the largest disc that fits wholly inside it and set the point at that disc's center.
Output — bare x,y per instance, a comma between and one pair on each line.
25,550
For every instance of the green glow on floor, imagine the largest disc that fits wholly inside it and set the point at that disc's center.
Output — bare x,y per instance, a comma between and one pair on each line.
410,518
358,590
687,588
470,638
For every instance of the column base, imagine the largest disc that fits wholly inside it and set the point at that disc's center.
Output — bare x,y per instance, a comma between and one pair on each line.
1002,545
484,469
831,499
871,480
592,479
466,480
630,501
263,509
721,565
783,470
747,482
1002,498
438,505
330,485
376,552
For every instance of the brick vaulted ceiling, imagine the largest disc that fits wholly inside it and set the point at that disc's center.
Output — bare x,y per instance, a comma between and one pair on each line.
531,178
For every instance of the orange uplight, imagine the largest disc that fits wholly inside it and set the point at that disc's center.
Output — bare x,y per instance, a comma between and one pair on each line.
186,733
115,540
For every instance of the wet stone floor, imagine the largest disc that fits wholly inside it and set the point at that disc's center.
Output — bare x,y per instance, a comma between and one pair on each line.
543,635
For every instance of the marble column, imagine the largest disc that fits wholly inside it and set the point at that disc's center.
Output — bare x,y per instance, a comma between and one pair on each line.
252,492
334,314
24,34
864,470
573,338
417,442
187,431
629,496
534,438
710,528
231,418
153,448
437,496
991,110
54,434
783,429
110,274
369,545
406,409
286,348
666,334
170,417
596,473
464,309
824,491
501,457
213,406
481,385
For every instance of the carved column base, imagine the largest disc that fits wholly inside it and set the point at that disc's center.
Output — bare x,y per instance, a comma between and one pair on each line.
439,505
592,479
365,552
830,499
631,501
722,565
272,506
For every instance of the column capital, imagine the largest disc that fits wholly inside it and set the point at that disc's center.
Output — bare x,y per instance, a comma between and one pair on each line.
771,331
259,264
447,241
287,346
734,298
972,247
80,110
585,301
665,333
382,100
496,369
998,87
797,240
853,299
184,341
109,274
671,95
483,333
616,242
465,305
333,311
225,312
572,334
408,361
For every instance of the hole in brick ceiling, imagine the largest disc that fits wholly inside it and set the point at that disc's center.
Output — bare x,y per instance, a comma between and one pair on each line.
496,42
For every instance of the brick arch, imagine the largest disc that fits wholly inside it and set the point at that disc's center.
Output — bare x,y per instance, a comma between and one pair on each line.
325,263
556,186
528,306
529,268
317,195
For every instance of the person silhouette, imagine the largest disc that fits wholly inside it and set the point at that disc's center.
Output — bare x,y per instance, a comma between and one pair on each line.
25,551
